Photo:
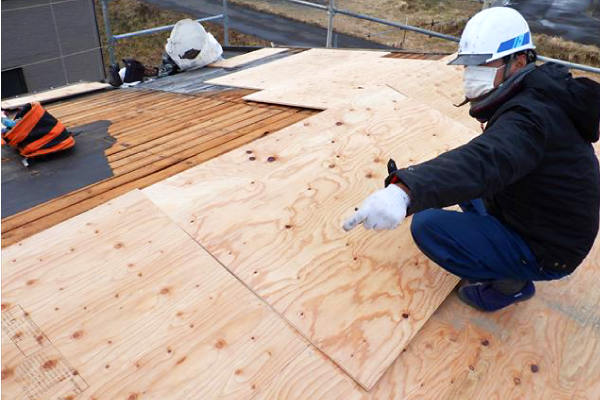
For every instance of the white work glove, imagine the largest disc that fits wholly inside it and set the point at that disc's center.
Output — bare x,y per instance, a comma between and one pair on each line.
384,209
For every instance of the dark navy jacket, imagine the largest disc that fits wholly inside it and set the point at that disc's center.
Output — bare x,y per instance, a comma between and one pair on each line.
534,166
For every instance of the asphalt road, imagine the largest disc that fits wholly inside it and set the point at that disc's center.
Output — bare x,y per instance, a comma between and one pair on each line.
564,18
279,30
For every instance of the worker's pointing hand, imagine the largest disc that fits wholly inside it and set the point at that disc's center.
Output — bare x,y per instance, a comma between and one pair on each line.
384,209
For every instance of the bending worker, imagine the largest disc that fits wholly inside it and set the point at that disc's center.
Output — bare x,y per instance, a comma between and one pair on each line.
529,185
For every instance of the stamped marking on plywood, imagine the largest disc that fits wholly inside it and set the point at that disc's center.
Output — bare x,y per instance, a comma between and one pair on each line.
44,373
25,334
47,375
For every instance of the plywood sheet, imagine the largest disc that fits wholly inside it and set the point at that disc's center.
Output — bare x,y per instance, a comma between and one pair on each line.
294,68
55,94
248,57
545,348
120,303
312,376
432,82
272,213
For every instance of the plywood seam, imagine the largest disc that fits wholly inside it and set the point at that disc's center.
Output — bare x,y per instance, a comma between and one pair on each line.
309,342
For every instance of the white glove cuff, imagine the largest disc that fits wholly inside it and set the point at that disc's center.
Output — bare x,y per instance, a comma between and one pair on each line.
400,195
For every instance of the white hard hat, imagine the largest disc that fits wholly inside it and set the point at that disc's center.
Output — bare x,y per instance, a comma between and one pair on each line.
492,34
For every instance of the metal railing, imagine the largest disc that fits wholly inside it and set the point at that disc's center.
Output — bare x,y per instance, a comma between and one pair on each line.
332,10
112,39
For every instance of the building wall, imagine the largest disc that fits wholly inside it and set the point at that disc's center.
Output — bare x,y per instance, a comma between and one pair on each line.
56,42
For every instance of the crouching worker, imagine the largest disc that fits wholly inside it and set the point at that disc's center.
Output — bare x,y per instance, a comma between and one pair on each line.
529,185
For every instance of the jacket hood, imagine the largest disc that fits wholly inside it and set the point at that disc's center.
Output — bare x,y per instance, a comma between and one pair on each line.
578,97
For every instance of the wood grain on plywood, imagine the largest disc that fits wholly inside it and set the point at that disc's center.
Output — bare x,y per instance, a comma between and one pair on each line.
55,94
139,310
312,376
158,134
545,348
248,57
292,69
432,82
272,213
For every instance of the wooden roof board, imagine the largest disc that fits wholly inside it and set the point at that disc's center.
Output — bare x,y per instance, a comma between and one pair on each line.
158,134
119,303
430,82
248,57
272,213
54,94
292,69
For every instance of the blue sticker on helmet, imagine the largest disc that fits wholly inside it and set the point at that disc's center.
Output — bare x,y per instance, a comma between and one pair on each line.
515,42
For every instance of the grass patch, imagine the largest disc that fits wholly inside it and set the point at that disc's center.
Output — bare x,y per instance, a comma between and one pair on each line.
132,15
555,47
448,17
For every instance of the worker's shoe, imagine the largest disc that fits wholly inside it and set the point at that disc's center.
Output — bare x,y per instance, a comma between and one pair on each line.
492,296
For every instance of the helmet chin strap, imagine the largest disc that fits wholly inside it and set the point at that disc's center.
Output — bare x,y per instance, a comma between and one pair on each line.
507,67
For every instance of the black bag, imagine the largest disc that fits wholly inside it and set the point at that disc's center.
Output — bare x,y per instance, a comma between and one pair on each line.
134,70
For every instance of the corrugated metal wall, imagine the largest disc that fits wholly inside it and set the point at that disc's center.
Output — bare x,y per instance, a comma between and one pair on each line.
56,42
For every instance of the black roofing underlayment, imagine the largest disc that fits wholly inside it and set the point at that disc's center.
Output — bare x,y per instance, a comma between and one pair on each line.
54,175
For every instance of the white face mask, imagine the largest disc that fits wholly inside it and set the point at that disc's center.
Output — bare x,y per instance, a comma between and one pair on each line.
479,80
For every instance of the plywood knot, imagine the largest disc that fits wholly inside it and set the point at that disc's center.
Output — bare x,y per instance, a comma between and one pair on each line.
252,158
77,335
248,151
133,396
5,306
220,344
288,226
118,245
49,364
271,158
238,372
31,282
339,123
7,373
485,342
164,291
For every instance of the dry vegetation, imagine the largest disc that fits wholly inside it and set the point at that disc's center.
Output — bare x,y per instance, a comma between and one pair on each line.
449,17
133,15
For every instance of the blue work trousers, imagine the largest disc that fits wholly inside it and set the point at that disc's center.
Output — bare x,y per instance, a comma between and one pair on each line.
475,245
